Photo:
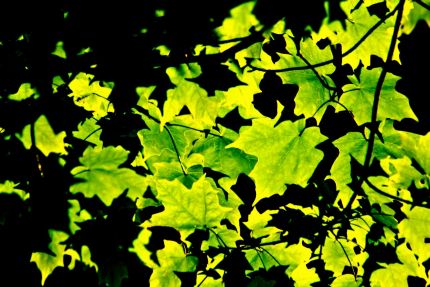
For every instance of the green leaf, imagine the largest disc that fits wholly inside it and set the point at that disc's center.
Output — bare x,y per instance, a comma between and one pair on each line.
77,215
358,98
347,280
89,131
91,95
402,173
359,22
203,109
100,175
46,140
312,94
397,274
166,145
48,262
9,187
171,258
338,254
230,161
59,50
415,228
25,91
286,154
189,209
239,23
414,13
258,223
419,146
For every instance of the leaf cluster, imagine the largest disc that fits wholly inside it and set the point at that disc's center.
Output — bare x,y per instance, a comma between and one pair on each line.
208,143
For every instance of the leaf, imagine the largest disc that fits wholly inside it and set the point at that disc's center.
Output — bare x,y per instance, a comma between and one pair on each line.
287,149
203,108
359,23
399,274
48,262
394,275
340,253
100,175
189,209
45,138
171,258
358,98
9,187
25,91
414,13
258,224
415,228
239,23
312,95
77,215
91,95
347,280
230,161
418,147
233,120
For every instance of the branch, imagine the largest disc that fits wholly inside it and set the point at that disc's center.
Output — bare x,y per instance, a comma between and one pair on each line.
375,105
424,5
245,42
322,81
377,190
324,63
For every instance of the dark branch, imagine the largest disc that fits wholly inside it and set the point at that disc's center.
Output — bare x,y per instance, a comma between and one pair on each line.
328,62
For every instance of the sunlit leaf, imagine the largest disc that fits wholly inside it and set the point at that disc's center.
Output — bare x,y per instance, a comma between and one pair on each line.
287,149
358,98
48,262
189,209
45,138
101,175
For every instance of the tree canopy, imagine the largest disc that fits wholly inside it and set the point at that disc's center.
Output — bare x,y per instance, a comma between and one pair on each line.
214,143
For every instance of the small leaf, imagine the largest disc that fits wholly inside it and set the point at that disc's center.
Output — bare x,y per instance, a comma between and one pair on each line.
46,140
25,91
48,262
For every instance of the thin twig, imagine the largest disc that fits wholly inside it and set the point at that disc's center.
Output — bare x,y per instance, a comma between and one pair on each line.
424,5
328,62
346,254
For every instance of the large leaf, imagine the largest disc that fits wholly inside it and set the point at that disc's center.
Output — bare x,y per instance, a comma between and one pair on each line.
286,154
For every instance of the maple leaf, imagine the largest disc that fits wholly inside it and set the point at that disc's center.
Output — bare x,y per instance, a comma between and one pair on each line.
286,154
100,175
189,209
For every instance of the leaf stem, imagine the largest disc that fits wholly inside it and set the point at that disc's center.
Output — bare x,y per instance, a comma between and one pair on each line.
176,150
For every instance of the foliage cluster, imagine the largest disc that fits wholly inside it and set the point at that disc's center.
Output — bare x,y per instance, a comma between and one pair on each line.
214,143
